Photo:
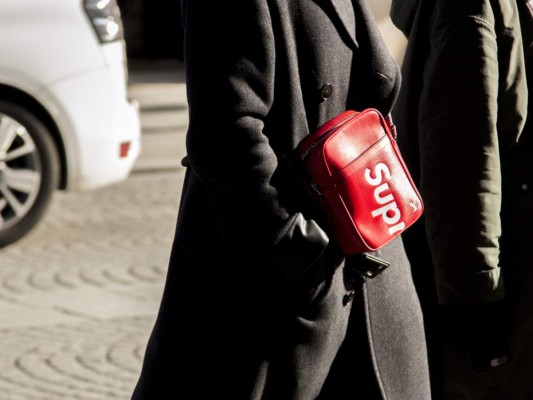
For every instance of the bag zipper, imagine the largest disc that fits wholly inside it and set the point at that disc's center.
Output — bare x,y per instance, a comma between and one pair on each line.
325,135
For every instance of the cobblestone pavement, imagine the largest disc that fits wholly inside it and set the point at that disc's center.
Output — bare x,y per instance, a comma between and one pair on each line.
78,296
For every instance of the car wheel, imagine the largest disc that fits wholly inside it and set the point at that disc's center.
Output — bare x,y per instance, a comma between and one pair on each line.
29,171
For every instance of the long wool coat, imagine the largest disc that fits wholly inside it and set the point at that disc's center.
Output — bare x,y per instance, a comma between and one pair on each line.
258,298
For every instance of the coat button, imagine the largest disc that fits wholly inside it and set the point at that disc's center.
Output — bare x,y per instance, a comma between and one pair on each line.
326,91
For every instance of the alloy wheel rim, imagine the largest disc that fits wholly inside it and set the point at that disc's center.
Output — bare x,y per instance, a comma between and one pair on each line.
20,171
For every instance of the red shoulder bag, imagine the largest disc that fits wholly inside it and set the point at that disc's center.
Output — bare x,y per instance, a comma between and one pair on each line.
360,179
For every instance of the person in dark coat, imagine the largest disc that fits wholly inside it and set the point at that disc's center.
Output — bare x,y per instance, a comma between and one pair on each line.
259,302
461,110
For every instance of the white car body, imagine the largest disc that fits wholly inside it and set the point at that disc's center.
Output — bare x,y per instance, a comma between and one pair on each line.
50,51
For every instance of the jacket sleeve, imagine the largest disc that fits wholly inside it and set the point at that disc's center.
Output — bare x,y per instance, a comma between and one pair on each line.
230,66
467,83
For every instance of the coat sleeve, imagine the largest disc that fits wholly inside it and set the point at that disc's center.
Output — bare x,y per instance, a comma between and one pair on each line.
465,82
230,62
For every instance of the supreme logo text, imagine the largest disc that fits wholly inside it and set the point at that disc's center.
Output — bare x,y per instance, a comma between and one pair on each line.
388,210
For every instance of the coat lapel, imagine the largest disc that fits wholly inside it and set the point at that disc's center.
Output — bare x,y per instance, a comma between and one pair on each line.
345,12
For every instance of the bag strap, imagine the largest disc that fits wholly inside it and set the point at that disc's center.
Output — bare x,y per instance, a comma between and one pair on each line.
392,127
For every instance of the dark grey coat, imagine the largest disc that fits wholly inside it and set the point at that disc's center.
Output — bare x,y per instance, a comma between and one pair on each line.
258,298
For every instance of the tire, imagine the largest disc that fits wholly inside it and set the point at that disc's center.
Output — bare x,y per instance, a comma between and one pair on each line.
29,171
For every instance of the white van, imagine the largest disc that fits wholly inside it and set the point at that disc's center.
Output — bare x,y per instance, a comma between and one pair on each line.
65,118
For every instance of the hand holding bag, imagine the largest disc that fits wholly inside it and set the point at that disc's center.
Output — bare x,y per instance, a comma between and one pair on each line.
357,174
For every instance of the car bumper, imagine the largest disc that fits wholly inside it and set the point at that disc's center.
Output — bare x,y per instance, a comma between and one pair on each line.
100,127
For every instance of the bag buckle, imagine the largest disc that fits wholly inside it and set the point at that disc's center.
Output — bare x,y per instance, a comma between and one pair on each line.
369,266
